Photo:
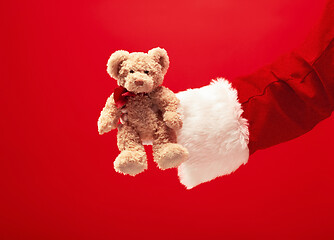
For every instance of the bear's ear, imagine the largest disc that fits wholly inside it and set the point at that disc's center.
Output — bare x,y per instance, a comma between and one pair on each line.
115,61
160,56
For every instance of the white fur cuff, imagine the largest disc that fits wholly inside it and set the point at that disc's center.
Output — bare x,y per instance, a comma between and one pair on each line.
213,131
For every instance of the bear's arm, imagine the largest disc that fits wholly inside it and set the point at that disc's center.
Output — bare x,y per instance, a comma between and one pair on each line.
168,103
109,116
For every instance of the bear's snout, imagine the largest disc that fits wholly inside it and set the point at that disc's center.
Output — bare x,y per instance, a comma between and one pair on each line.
139,82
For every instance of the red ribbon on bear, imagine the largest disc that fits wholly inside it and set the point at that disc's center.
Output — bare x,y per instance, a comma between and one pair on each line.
121,96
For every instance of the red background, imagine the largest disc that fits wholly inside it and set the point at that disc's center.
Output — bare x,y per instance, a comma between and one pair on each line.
56,173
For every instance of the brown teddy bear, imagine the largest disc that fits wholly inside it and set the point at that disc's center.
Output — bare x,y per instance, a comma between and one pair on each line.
147,110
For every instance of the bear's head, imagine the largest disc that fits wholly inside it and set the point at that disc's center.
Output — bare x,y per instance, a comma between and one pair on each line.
139,72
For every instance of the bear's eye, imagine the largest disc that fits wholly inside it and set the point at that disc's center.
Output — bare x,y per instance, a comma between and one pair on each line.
131,71
146,72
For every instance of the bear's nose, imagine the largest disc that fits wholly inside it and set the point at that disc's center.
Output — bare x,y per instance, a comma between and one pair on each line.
139,82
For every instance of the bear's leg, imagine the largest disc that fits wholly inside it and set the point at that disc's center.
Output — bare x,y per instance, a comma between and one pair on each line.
167,153
132,159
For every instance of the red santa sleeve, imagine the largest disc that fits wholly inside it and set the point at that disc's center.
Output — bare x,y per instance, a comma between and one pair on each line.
226,122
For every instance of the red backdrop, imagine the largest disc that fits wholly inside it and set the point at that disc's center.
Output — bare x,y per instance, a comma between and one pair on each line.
56,173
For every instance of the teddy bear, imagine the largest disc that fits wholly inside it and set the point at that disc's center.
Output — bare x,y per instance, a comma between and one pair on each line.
148,112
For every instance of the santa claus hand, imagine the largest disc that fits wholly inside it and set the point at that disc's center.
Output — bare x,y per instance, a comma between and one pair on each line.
105,124
214,133
173,120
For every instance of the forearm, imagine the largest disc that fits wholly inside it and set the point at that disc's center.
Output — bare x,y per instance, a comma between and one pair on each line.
168,104
166,100
109,116
289,97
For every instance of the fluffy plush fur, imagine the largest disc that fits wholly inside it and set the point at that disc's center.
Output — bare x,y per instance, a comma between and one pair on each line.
150,115
213,131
